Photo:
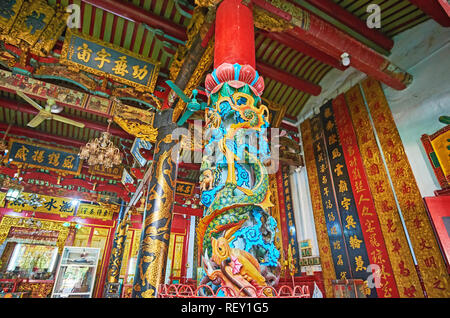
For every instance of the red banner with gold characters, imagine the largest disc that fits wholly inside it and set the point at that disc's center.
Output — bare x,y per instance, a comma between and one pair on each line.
383,198
376,248
423,240
275,213
326,259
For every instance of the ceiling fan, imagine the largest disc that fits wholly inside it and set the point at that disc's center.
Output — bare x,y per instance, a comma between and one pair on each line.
48,112
192,104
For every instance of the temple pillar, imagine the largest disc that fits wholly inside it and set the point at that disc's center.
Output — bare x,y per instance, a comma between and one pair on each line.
234,34
116,258
71,235
236,234
155,237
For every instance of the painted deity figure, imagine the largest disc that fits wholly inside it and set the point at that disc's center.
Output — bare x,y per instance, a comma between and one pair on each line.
236,233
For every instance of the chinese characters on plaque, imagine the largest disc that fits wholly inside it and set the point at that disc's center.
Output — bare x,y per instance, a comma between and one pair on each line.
63,207
44,157
104,59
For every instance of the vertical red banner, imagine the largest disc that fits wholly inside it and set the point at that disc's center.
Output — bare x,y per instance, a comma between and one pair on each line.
422,237
370,224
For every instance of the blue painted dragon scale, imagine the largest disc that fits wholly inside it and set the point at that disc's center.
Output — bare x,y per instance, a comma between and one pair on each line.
229,209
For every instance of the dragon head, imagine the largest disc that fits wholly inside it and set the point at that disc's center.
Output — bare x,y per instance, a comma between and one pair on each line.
221,249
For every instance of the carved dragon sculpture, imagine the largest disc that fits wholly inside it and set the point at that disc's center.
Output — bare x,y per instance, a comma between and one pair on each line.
233,205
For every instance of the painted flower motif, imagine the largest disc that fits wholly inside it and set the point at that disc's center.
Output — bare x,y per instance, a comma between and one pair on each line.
236,265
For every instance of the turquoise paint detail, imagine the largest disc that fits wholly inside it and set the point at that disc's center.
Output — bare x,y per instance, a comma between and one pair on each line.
17,70
249,238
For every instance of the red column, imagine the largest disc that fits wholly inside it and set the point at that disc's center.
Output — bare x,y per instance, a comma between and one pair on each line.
234,34
71,236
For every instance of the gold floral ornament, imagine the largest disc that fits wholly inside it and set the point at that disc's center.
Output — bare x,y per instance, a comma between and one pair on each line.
32,25
267,21
7,222
207,3
300,17
195,24
137,122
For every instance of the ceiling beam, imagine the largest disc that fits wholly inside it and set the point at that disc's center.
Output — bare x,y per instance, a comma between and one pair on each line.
30,110
303,47
438,10
32,133
131,12
339,13
334,42
306,6
288,79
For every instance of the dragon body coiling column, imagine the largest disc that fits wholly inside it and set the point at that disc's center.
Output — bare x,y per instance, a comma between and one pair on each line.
236,233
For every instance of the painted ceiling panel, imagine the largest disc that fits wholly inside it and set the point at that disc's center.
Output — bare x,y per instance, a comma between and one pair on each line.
397,16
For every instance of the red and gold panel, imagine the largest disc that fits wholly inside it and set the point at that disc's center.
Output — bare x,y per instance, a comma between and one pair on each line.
423,240
391,225
326,258
370,224
275,213
438,152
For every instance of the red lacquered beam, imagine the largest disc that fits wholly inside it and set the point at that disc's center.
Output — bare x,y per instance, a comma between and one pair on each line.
334,42
438,10
337,12
303,47
129,11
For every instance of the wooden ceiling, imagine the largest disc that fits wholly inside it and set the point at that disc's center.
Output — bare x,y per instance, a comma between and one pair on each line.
136,37
161,43
396,16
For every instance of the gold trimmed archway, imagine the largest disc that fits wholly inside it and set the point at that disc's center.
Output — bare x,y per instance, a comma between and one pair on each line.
9,221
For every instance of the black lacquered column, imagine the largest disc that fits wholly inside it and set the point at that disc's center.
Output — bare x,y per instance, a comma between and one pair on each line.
153,249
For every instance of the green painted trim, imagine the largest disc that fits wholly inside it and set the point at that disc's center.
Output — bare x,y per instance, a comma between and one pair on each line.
16,70
87,17
108,22
129,35
140,101
138,40
98,22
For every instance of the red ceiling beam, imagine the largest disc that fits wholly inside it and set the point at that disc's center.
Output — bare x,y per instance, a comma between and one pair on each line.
303,47
32,133
129,11
438,10
337,12
334,42
30,110
288,79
